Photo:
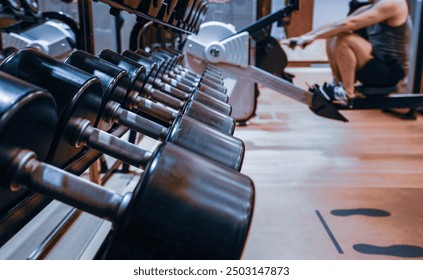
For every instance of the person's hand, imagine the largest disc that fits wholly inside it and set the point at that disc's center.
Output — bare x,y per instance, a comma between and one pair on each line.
302,41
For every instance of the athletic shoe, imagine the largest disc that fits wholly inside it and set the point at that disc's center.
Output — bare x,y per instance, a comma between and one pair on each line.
335,92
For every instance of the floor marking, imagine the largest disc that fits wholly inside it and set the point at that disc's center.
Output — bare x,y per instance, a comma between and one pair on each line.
370,212
329,232
399,250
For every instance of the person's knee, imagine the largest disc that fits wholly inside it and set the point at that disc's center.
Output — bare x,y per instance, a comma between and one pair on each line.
344,42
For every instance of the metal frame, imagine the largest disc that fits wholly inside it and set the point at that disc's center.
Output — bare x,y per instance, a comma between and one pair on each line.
86,25
417,72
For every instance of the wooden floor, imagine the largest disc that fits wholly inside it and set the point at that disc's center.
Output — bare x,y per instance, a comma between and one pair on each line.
332,190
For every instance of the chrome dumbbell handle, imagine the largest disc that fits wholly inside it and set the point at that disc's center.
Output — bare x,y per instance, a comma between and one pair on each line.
66,187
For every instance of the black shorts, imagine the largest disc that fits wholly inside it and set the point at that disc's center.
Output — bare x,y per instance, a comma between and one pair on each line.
380,74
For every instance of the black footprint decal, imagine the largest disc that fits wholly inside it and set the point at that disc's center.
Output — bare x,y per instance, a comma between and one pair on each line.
404,251
360,211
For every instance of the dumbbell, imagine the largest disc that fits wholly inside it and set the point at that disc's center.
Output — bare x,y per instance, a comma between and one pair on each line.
223,123
184,207
184,132
168,88
165,65
208,77
207,115
178,85
195,95
209,67
207,83
214,75
39,131
200,82
181,85
193,109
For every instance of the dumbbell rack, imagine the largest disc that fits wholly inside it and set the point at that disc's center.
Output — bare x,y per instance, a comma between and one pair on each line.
32,204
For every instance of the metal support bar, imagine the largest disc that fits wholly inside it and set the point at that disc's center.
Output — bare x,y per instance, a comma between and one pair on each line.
259,76
269,19
313,99
418,74
94,172
119,21
266,21
54,237
86,25
416,54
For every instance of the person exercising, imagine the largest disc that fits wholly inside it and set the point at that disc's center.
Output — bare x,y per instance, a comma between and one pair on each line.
380,60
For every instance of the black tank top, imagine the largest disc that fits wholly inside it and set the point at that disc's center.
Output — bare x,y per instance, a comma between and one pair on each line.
390,44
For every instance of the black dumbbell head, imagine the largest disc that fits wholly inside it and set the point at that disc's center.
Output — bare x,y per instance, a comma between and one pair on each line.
114,80
78,95
135,71
27,121
150,65
27,116
184,208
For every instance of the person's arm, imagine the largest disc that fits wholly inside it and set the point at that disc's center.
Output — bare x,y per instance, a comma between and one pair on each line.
378,12
329,25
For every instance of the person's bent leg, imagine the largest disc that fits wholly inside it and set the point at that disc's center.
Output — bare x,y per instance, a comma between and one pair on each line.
330,51
352,52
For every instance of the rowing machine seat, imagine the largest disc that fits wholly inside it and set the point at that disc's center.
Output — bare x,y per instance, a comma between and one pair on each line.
375,91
